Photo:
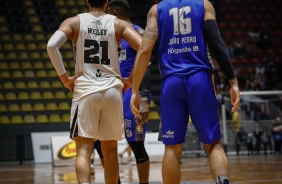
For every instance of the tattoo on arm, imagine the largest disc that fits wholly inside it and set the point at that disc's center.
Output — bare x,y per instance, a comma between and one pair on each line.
151,28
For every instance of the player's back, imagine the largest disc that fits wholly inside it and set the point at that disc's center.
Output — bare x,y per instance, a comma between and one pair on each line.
96,55
182,48
96,47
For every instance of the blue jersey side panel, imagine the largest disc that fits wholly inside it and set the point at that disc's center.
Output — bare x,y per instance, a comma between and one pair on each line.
182,47
127,57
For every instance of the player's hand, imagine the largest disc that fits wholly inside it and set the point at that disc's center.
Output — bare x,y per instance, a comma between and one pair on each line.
135,104
144,110
126,83
234,94
68,82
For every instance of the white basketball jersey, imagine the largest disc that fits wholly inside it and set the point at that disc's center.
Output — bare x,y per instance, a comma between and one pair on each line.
96,55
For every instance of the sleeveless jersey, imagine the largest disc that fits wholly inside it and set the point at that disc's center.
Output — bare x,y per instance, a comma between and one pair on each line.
127,57
96,55
182,47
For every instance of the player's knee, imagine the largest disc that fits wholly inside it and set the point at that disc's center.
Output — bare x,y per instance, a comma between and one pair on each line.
139,151
210,147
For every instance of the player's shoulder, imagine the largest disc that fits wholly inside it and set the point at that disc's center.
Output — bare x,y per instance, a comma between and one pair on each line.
121,23
109,16
207,4
71,21
73,18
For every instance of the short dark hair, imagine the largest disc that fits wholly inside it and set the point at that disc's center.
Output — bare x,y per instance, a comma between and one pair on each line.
97,3
119,3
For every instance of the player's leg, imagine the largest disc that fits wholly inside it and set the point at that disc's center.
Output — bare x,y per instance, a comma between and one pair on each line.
97,145
111,130
135,135
171,164
80,126
174,116
142,160
83,156
111,167
204,115
218,162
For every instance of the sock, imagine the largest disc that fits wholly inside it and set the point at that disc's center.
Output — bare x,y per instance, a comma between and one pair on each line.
222,180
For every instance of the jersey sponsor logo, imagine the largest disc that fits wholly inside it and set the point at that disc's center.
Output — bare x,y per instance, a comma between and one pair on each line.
98,76
169,134
178,51
128,133
67,151
98,73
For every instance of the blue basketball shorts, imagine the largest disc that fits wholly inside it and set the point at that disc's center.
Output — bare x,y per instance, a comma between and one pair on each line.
190,95
133,131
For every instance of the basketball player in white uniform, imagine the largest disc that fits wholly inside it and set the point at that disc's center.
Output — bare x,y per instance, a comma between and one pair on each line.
97,86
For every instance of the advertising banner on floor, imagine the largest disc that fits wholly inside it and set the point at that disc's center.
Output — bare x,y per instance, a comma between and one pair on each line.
64,150
41,145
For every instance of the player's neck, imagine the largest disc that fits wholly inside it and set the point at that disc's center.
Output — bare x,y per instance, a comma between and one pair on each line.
96,12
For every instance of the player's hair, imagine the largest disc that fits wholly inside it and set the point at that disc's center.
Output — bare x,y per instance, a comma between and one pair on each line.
97,3
119,3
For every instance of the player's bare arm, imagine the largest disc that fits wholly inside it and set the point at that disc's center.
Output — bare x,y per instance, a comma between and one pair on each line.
68,29
140,31
209,10
71,28
143,57
144,53
151,30
144,107
124,30
218,47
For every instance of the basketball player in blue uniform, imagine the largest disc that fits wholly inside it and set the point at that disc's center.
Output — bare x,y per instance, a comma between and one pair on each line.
186,30
134,128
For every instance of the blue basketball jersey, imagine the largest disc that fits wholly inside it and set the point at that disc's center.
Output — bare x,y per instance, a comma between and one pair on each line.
182,47
127,57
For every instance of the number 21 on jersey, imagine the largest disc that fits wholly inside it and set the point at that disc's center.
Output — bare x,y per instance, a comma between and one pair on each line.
88,54
181,25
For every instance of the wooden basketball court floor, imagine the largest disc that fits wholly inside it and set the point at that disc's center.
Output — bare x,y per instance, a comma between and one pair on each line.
255,169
